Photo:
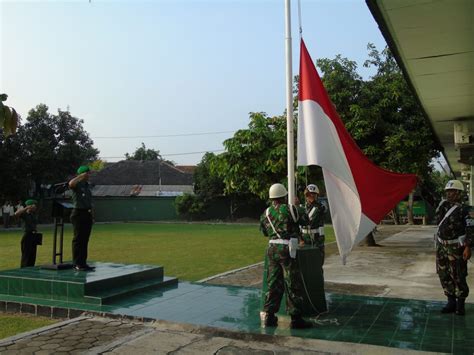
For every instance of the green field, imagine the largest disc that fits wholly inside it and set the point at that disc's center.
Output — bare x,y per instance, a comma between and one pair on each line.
12,324
189,251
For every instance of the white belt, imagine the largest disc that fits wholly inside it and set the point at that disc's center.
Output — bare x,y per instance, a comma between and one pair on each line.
319,230
279,241
459,240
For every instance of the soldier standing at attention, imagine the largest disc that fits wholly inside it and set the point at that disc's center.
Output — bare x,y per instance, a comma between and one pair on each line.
28,242
81,218
280,224
313,232
453,247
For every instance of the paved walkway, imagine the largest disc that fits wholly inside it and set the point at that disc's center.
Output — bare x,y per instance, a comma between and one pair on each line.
96,335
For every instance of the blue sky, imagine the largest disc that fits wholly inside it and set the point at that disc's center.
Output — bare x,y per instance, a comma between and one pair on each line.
141,68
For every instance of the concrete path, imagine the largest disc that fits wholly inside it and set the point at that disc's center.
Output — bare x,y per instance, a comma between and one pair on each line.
403,266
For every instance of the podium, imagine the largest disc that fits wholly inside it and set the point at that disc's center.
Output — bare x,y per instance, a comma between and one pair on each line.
58,212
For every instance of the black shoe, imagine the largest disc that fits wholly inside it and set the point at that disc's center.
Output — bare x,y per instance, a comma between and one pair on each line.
450,307
83,268
89,268
460,310
300,323
271,320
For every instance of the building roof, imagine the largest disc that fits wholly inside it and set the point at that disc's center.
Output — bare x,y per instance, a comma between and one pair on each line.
187,168
140,190
136,172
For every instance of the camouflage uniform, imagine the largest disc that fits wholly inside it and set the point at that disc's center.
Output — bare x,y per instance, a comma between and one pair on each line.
314,213
450,265
283,273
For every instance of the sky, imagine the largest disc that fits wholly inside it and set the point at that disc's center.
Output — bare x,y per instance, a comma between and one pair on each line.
186,72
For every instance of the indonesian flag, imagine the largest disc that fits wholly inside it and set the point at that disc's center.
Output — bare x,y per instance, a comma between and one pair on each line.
360,193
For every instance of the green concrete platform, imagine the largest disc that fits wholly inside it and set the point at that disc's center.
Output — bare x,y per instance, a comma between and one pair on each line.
108,282
390,322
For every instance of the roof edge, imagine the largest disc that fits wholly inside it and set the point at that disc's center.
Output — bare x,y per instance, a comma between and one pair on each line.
379,18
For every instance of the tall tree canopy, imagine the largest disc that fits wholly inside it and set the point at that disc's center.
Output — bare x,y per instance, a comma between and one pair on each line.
46,149
144,153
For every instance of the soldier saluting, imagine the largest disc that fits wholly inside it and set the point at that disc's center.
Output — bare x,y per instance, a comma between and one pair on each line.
453,247
280,224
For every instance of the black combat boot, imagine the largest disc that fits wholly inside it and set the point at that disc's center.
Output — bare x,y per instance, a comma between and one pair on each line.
450,306
460,310
297,322
271,320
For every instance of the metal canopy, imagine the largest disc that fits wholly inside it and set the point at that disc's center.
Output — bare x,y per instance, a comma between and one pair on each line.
433,42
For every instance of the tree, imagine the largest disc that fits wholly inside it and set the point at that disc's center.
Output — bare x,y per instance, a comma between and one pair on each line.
49,148
144,153
207,184
255,158
9,119
97,165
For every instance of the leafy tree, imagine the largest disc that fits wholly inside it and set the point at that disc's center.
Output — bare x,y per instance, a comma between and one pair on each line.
9,119
97,165
190,206
49,148
144,153
255,157
207,184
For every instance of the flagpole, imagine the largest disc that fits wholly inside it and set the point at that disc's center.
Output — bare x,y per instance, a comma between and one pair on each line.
289,106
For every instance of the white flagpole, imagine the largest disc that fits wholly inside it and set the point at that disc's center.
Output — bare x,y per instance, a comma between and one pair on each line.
289,106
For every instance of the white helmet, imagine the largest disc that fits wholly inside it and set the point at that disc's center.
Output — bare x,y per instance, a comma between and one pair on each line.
312,188
277,191
454,185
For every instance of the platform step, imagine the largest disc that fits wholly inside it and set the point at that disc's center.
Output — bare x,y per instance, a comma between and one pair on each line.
110,295
117,281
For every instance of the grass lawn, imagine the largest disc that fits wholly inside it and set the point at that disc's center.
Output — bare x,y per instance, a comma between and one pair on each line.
188,251
11,324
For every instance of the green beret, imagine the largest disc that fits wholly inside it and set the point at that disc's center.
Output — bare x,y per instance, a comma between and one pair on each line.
31,202
83,169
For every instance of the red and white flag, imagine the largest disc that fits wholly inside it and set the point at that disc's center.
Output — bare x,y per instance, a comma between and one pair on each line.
360,193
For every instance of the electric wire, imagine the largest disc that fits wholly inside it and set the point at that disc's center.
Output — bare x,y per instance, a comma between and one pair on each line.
164,135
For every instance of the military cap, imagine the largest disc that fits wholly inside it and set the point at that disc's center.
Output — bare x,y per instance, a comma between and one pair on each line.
31,202
83,169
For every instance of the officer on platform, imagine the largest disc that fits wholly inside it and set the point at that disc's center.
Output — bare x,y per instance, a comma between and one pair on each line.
454,241
81,218
280,223
313,232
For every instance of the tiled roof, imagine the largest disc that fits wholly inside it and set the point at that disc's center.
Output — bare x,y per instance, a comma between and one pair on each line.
141,190
135,172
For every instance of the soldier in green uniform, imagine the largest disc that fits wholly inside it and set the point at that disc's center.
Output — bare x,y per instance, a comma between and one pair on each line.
313,232
29,240
453,249
81,218
280,224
